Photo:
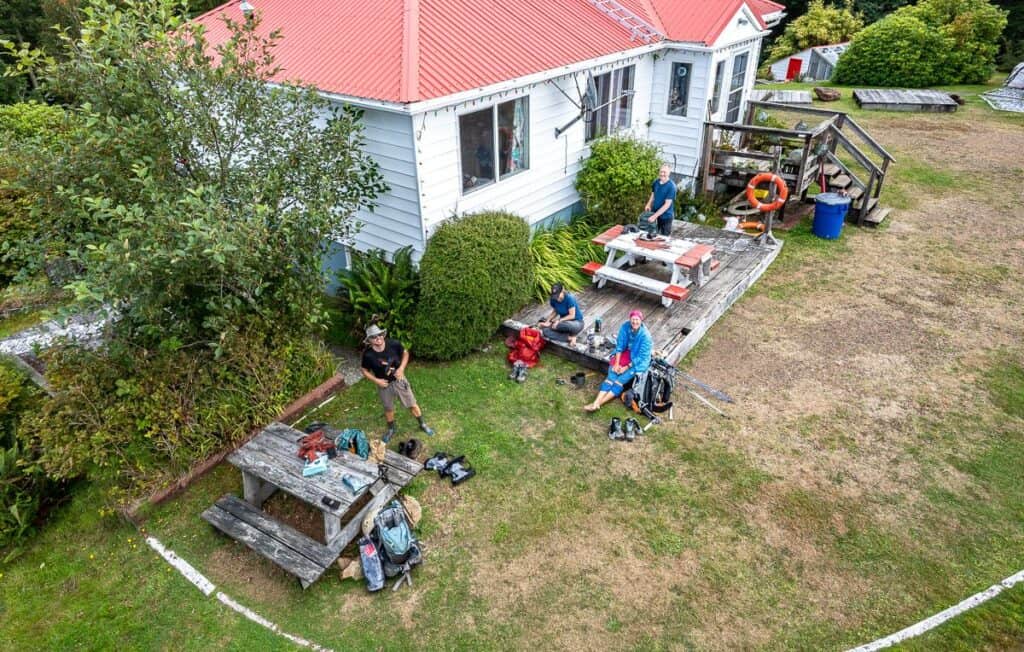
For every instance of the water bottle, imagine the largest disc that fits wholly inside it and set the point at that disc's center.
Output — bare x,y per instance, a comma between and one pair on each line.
597,325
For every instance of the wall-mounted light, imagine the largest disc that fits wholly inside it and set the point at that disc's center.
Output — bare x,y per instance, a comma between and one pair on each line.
246,8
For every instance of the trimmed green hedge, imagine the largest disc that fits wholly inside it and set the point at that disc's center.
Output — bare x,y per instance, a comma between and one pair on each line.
476,272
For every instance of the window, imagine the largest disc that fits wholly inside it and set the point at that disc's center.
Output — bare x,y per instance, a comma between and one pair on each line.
716,92
679,88
612,115
494,143
739,75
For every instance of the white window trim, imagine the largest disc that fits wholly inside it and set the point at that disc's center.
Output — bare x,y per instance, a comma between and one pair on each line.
495,149
689,91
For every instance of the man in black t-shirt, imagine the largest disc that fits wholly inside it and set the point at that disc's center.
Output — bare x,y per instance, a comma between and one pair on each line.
383,364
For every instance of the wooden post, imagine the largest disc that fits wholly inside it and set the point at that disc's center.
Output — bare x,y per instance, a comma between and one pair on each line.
803,166
708,187
881,180
865,200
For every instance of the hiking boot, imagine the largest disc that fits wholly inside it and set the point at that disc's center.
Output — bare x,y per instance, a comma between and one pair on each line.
632,429
427,429
411,448
520,373
615,429
388,434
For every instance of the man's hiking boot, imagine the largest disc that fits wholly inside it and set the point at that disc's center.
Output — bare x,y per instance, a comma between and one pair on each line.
388,434
519,372
437,462
633,429
411,448
427,429
615,430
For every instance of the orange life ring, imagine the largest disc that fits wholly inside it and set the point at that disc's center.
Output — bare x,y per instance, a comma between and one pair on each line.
782,192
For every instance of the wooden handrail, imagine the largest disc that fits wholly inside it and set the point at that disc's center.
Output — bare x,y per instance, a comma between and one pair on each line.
795,108
771,131
853,149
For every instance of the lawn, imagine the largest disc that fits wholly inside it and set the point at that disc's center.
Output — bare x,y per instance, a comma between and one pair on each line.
868,477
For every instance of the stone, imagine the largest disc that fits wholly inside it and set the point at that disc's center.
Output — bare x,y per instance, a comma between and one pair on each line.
826,94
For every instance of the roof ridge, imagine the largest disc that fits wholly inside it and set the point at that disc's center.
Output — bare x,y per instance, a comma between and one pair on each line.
652,13
409,86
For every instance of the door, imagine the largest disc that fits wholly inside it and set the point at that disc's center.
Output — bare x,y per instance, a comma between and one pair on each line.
793,71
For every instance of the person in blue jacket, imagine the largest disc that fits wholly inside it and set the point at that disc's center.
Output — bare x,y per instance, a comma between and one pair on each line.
635,339
662,201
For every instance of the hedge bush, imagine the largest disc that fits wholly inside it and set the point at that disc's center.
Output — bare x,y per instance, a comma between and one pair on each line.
615,181
22,125
133,418
475,273
24,487
936,42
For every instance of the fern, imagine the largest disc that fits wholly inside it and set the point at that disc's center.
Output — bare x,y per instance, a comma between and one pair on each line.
559,253
378,292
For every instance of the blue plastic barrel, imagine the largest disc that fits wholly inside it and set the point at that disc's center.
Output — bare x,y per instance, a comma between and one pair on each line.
829,212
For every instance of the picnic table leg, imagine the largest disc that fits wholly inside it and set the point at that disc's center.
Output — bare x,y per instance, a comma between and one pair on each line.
255,490
332,528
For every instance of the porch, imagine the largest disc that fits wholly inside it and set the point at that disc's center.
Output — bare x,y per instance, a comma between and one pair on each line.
675,329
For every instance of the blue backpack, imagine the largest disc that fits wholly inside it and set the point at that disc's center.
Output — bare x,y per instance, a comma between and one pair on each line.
398,546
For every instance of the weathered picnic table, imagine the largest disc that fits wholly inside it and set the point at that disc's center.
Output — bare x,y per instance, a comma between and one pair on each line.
691,263
269,462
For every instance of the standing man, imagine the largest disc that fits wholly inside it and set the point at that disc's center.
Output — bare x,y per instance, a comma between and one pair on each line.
566,319
383,364
662,201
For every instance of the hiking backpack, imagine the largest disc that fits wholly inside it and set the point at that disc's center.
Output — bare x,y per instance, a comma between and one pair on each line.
398,547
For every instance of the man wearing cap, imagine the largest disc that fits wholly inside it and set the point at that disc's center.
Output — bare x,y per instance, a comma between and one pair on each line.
383,364
633,349
566,318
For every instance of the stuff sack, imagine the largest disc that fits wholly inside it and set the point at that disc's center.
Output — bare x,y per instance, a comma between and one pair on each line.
369,558
399,550
526,348
355,441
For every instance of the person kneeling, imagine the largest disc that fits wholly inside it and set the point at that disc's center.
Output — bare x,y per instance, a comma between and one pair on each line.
632,356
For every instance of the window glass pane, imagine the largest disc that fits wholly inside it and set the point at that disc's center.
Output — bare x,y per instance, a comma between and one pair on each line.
679,88
513,136
616,110
624,106
598,125
716,93
476,144
739,74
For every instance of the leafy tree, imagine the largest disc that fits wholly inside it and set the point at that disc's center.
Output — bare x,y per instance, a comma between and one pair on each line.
821,25
196,197
933,42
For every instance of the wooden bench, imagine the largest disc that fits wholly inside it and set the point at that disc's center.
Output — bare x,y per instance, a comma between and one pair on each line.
290,549
604,273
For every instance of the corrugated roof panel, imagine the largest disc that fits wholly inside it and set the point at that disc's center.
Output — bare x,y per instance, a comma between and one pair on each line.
372,49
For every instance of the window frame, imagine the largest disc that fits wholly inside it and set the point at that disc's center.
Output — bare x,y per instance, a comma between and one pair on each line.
612,114
716,88
736,90
495,142
671,86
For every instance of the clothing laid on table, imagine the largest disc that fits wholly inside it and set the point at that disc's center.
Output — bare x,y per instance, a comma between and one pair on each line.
383,364
566,327
664,192
639,345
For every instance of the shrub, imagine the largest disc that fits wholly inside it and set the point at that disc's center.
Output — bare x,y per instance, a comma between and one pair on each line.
375,291
821,25
475,273
559,253
24,487
936,42
20,124
132,418
615,181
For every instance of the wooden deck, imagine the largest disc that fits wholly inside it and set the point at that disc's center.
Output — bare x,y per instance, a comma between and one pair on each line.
904,99
675,329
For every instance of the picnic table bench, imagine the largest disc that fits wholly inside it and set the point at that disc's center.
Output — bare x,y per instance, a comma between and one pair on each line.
269,462
692,263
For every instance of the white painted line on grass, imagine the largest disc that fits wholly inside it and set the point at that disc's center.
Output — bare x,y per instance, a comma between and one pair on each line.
256,618
207,587
183,567
941,617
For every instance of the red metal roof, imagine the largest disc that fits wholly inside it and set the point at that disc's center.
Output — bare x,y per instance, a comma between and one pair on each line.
412,50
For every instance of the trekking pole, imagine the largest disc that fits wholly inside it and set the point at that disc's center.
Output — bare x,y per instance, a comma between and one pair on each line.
706,402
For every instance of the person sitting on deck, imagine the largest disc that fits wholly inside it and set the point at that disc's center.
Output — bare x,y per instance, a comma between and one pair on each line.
566,318
632,356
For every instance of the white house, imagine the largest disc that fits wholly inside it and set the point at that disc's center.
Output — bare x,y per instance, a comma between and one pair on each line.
469,104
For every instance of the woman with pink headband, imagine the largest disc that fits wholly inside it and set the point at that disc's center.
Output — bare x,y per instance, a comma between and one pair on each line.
632,356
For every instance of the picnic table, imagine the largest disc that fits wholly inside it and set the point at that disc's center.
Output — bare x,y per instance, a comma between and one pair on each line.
269,462
691,263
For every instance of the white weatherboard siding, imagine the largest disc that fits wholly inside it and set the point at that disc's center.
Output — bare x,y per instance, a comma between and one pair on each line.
547,187
679,136
395,221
